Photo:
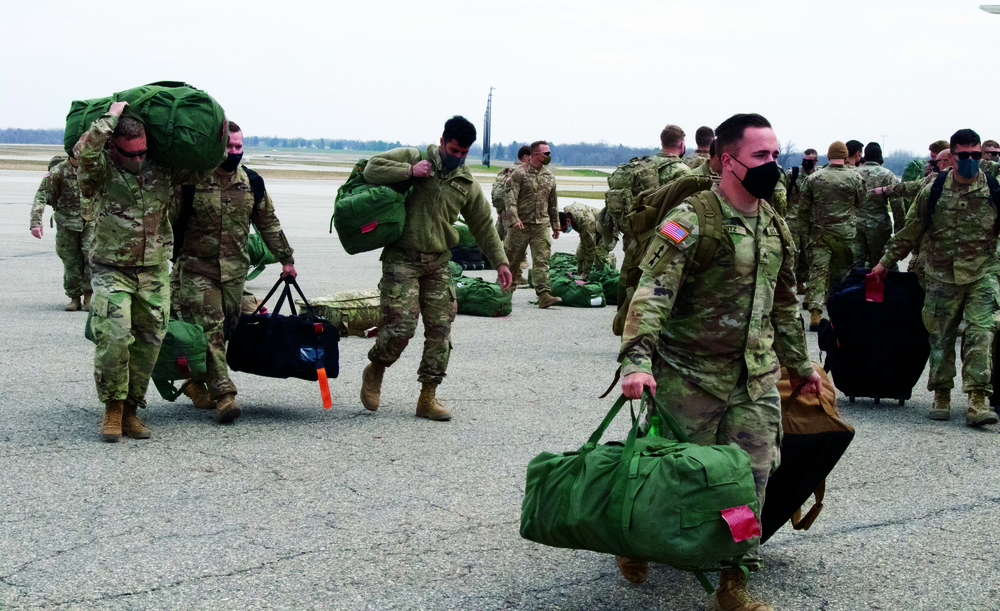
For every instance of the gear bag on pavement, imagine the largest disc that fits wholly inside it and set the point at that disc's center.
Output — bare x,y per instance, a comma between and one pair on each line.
367,216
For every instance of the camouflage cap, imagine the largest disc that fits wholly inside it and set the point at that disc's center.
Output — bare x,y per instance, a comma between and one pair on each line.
837,150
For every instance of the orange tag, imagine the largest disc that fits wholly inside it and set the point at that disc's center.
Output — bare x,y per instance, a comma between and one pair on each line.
324,388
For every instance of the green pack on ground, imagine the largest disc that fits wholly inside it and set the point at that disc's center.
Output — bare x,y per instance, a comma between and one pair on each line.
367,216
185,127
478,297
353,312
183,353
653,499
576,293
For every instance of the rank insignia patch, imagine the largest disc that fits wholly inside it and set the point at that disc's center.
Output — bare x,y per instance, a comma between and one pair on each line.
674,231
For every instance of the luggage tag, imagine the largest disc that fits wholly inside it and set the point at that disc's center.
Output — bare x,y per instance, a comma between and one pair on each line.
742,522
874,289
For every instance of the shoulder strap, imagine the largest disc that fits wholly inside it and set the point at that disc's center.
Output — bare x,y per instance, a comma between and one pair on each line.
706,206
180,225
257,186
932,201
795,179
994,186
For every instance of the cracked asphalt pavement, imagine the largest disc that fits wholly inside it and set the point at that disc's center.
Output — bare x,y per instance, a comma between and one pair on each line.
296,507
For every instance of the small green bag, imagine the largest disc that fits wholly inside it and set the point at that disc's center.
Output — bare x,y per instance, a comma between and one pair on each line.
652,499
577,295
183,353
478,297
367,216
260,255
465,237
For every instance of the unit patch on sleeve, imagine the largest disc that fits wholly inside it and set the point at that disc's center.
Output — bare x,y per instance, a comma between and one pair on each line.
674,231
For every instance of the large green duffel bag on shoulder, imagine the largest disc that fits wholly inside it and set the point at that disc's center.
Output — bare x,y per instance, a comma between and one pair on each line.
651,498
185,127
367,216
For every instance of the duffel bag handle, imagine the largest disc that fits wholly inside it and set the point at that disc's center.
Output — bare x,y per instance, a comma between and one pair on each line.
668,419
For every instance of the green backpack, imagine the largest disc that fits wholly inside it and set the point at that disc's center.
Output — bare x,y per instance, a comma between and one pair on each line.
183,353
914,170
185,127
651,498
627,182
500,188
577,293
260,255
367,216
465,237
478,297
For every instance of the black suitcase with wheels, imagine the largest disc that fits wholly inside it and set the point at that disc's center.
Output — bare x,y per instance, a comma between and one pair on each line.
879,349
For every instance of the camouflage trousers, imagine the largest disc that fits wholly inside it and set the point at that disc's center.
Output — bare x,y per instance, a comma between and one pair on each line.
539,237
869,243
591,253
215,307
754,425
129,319
831,262
802,256
416,284
945,306
916,265
74,247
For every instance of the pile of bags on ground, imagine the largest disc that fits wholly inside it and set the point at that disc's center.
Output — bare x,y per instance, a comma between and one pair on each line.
597,290
468,254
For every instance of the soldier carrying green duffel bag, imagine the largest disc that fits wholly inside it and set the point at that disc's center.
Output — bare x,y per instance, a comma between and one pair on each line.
368,216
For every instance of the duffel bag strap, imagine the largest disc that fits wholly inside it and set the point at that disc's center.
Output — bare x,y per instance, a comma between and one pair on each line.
268,296
668,419
803,523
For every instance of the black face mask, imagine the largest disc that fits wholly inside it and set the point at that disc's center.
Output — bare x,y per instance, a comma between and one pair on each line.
232,162
808,164
761,180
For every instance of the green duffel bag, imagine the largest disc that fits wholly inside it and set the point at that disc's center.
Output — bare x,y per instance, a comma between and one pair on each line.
478,297
465,237
651,498
577,293
260,255
367,216
607,277
185,127
183,353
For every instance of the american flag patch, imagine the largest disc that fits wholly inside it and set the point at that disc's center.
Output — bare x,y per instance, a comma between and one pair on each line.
674,231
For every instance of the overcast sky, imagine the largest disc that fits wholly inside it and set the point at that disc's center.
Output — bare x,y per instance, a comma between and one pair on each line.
573,71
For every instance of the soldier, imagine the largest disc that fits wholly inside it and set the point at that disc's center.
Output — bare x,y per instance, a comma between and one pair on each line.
935,148
136,206
711,168
716,377
212,266
827,209
592,247
873,225
416,280
74,234
531,212
854,152
703,138
991,151
796,183
959,241
668,163
498,196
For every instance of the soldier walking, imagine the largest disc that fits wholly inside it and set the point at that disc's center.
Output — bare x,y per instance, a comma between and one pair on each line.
874,228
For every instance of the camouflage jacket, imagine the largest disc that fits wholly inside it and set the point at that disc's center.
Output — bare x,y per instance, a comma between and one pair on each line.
215,238
134,211
695,160
794,196
531,197
961,242
436,201
909,189
706,170
584,222
59,189
741,311
873,211
669,167
779,198
829,200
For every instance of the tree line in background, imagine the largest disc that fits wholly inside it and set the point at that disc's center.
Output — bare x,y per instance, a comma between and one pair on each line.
580,154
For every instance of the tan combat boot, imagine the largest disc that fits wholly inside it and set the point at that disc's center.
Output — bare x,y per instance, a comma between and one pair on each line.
941,409
131,425
74,305
732,594
226,409
814,318
635,571
87,296
199,395
429,407
111,425
979,413
371,386
546,300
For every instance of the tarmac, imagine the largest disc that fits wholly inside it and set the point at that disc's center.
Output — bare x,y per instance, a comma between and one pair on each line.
297,507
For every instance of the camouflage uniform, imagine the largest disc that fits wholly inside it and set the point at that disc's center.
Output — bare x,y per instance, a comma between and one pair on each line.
960,270
873,225
415,276
695,160
497,198
592,248
909,190
795,223
130,272
213,263
669,167
827,207
531,199
779,197
706,170
74,235
716,373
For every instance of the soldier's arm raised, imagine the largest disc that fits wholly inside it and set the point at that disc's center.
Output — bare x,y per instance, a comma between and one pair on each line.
93,165
394,166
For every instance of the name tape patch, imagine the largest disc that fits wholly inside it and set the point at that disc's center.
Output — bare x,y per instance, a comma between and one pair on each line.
674,231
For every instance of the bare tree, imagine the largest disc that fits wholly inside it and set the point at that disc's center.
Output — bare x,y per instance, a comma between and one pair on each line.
787,149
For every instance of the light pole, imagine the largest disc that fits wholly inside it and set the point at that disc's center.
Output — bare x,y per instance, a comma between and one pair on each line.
487,119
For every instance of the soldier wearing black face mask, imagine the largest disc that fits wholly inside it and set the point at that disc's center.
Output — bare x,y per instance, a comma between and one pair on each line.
208,277
797,180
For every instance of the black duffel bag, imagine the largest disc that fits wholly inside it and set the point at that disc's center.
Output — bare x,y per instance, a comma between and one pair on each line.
302,346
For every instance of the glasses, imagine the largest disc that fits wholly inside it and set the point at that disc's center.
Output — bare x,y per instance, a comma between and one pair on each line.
964,155
130,154
991,153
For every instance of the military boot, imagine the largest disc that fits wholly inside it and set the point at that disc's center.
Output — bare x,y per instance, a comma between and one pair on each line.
74,305
111,425
131,425
814,318
226,409
429,407
732,594
800,289
979,413
941,409
87,296
546,300
371,386
635,571
199,395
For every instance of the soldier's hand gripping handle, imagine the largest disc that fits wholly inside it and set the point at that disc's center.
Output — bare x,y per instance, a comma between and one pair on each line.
633,383
421,169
